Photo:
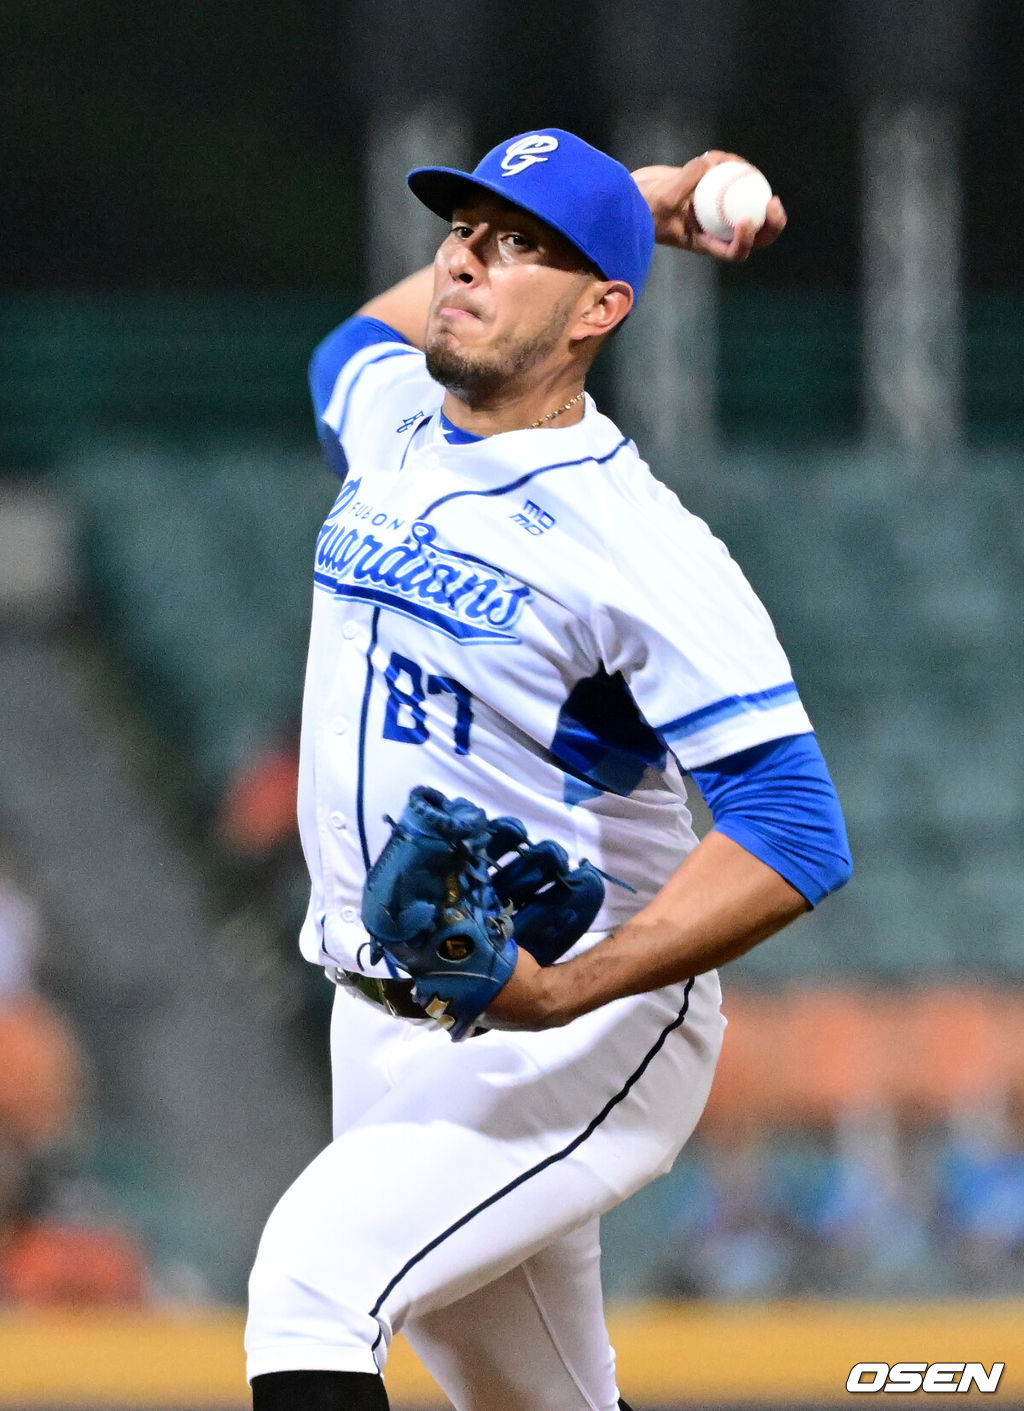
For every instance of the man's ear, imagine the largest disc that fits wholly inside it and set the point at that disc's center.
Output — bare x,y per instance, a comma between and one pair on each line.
610,304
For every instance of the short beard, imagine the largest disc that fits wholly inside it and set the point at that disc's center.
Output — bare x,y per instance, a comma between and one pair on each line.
475,383
480,381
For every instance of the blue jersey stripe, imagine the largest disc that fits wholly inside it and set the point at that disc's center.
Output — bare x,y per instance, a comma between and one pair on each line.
342,344
697,720
450,625
561,1155
363,716
327,364
523,479
381,358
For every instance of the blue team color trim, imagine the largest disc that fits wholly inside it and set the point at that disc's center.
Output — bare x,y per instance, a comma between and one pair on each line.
363,716
602,740
557,1156
524,479
718,711
341,344
409,443
454,435
452,627
382,358
778,802
334,454
326,365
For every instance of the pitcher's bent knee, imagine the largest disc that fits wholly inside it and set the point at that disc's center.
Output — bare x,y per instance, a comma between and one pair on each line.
310,1295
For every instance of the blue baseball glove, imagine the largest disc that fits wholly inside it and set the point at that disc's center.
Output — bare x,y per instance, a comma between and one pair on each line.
441,905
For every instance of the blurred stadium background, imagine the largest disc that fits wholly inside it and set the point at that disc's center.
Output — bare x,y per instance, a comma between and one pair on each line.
194,195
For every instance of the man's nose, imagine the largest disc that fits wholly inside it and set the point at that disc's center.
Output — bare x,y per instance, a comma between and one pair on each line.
464,262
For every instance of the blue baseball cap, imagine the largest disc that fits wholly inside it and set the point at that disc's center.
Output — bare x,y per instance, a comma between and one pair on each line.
581,192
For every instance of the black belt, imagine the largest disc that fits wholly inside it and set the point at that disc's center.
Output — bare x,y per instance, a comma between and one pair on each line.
393,995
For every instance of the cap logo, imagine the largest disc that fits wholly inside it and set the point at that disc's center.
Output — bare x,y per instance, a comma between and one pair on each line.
525,151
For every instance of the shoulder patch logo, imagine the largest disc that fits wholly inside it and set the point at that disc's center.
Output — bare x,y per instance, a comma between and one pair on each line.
526,151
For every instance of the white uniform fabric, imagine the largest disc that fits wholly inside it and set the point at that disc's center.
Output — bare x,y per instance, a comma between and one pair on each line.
458,1202
534,622
472,602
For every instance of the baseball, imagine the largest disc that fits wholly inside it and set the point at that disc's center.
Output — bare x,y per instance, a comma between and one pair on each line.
727,194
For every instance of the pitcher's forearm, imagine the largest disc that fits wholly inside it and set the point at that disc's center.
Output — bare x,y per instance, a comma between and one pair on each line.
719,904
716,906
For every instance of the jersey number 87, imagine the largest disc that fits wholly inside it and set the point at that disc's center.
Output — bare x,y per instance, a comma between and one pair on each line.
406,704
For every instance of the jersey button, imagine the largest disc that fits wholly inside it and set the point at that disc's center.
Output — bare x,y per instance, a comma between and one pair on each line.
348,913
339,725
337,820
349,630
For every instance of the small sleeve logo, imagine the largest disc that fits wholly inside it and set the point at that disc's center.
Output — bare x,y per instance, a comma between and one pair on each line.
525,151
533,519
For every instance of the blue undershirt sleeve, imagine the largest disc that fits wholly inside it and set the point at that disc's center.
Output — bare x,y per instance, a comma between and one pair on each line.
325,367
779,803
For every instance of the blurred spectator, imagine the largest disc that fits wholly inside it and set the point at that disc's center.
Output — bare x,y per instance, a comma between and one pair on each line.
885,1159
46,1262
265,883
43,1259
981,1171
19,940
728,1236
874,1204
257,818
869,1218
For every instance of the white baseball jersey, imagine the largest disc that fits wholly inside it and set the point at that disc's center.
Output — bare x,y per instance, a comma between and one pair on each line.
531,621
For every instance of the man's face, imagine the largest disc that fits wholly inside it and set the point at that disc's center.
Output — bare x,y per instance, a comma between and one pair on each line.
507,293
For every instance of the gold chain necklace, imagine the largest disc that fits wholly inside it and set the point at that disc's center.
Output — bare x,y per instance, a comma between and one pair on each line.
551,415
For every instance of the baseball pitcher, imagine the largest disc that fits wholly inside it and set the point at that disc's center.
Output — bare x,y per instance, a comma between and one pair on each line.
524,653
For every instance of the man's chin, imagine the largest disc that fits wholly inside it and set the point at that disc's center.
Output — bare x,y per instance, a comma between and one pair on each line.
449,366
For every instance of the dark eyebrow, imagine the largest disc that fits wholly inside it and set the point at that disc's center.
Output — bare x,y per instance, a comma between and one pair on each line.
561,250
510,216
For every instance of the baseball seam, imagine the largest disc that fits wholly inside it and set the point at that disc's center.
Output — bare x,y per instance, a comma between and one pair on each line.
720,200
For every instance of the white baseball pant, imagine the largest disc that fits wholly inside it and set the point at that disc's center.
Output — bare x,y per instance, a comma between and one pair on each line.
459,1200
